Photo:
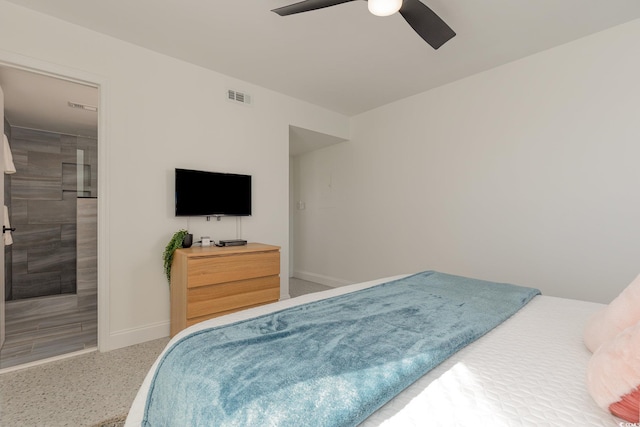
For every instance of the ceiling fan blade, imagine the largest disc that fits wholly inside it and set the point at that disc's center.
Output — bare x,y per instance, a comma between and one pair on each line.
426,23
307,5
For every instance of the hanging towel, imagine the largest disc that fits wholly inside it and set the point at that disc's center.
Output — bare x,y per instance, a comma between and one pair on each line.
9,167
7,234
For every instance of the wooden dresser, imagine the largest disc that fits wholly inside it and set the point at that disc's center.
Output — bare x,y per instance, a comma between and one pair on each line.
211,281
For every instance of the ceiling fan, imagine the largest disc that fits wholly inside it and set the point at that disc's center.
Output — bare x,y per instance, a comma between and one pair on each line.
423,20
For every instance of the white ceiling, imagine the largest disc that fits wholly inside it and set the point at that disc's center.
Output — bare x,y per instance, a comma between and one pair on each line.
342,57
36,101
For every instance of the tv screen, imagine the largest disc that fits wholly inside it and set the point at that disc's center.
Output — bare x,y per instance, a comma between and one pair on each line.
201,193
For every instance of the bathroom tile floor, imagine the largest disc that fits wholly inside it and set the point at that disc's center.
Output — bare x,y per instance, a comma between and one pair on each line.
41,328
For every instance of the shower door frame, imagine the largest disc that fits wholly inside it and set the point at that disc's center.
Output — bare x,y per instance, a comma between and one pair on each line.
12,60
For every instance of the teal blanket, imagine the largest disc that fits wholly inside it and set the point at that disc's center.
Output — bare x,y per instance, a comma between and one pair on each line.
327,363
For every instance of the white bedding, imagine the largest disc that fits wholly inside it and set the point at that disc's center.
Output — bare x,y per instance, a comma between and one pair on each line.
529,371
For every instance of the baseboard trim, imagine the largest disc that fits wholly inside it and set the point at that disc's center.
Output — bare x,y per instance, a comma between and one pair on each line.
133,336
333,282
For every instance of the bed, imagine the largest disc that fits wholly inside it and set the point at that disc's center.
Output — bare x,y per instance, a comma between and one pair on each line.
527,371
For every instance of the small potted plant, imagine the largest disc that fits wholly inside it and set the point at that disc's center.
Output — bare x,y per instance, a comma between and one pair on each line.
178,240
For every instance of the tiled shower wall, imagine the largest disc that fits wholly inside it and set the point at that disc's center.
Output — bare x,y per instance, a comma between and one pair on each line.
42,205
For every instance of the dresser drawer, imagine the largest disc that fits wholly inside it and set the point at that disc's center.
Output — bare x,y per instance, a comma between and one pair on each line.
212,281
191,322
226,297
231,268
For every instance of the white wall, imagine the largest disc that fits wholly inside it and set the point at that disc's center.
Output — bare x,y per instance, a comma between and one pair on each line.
163,113
527,173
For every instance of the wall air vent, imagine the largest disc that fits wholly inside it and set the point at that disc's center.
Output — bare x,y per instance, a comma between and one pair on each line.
235,96
82,106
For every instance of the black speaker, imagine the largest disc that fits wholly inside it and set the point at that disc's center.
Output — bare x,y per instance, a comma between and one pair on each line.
187,241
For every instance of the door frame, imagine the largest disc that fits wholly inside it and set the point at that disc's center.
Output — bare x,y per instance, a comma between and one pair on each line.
13,60
2,256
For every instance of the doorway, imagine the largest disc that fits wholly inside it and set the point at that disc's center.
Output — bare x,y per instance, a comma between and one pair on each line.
303,142
50,290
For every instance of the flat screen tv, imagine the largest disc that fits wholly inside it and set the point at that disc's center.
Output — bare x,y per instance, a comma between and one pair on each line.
201,193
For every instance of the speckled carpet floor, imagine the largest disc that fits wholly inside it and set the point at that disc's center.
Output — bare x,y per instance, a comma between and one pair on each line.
113,422
78,391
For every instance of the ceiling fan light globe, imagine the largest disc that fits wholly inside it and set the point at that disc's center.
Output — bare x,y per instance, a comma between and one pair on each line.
384,7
